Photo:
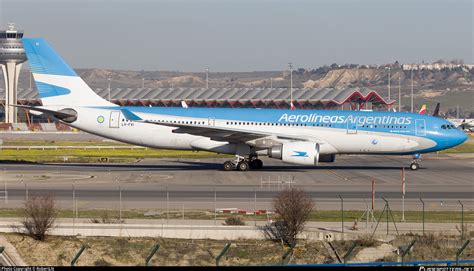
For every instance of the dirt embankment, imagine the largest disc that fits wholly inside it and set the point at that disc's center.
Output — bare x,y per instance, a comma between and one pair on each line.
102,251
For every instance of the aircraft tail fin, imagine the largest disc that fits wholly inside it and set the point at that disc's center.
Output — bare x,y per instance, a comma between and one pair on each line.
436,111
422,110
57,83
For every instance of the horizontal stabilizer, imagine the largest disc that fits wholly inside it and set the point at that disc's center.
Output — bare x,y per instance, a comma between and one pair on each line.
67,114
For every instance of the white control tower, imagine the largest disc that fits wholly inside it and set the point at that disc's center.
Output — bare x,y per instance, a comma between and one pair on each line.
12,55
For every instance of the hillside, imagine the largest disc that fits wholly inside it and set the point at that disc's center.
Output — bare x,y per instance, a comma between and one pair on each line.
452,87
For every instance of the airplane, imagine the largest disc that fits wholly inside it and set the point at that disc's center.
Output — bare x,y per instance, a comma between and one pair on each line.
303,137
463,124
422,110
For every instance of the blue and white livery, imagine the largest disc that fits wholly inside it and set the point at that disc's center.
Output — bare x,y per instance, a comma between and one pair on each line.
304,137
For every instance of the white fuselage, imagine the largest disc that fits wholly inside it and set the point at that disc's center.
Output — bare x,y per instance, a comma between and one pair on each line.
339,141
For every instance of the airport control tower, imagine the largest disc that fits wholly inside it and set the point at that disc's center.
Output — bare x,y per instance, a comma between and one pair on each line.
12,55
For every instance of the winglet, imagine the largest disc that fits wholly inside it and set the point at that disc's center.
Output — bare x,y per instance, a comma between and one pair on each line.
130,116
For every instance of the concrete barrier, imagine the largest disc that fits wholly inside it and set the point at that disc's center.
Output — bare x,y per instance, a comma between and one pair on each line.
214,232
149,230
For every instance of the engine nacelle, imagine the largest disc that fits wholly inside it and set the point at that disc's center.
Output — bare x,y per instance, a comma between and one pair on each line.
302,153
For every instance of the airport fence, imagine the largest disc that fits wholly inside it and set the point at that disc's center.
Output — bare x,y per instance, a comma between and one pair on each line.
213,206
345,219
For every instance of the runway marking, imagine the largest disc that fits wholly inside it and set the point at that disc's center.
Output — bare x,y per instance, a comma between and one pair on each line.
339,176
48,177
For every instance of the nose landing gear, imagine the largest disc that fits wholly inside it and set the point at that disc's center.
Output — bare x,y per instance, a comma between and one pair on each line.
415,163
243,164
414,166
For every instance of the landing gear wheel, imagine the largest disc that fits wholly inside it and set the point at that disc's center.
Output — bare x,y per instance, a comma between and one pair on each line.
414,166
243,166
228,166
256,164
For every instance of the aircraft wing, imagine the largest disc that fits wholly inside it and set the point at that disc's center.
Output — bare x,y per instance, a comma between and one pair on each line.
226,134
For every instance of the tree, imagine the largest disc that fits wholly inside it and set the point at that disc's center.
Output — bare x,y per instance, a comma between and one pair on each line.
334,66
39,216
293,207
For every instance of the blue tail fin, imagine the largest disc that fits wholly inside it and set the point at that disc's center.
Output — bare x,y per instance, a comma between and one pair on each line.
57,83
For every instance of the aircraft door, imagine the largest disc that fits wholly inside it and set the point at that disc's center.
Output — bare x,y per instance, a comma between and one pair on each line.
114,121
211,121
420,127
351,128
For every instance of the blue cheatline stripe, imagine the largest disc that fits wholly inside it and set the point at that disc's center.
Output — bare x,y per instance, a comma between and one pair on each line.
130,116
47,90
44,60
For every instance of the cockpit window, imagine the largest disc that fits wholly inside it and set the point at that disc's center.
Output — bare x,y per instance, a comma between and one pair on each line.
448,126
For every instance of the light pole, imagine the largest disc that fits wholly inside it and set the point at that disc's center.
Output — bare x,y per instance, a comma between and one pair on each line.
423,214
207,78
167,206
411,90
399,94
271,82
462,219
215,206
109,88
73,207
143,83
389,69
342,216
291,84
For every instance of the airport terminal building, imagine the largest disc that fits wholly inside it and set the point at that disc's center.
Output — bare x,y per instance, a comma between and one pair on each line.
355,98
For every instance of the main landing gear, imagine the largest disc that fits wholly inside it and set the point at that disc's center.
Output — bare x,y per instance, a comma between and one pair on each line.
243,164
415,163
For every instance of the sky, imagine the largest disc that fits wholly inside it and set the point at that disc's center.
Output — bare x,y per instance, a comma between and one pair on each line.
245,35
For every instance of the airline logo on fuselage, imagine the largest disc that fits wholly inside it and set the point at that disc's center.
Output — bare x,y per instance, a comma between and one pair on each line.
361,120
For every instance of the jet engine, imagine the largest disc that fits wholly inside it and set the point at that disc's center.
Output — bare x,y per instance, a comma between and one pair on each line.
302,153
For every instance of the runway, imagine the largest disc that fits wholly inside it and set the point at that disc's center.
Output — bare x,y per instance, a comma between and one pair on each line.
190,183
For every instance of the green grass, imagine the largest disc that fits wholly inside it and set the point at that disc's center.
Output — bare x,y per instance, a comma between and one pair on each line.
467,147
89,155
410,216
61,143
85,155
322,216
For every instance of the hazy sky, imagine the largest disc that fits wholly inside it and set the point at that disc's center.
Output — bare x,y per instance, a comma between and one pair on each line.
245,35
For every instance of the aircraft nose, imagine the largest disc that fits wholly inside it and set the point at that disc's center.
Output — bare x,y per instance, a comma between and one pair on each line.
459,138
464,137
